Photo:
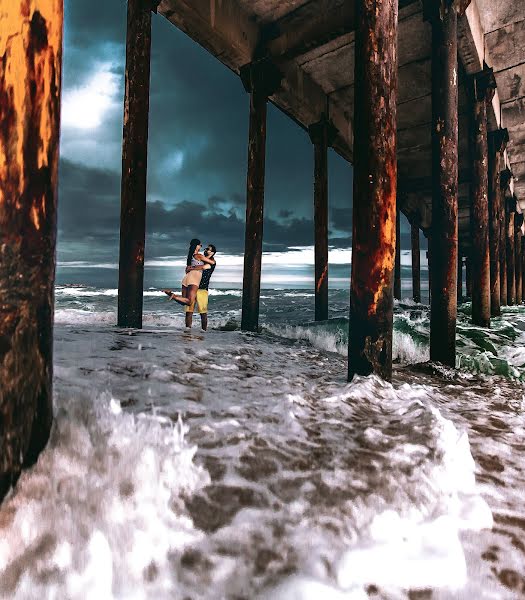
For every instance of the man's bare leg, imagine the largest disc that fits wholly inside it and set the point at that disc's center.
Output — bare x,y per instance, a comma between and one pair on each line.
189,319
204,321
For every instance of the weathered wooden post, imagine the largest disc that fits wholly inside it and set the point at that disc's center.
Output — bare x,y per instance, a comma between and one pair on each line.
504,180
397,268
30,83
496,144
416,266
375,183
483,87
518,222
468,278
460,278
511,264
322,135
260,79
443,16
134,164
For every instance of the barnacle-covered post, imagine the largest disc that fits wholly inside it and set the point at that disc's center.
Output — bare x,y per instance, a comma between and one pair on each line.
443,17
30,82
322,135
375,183
134,164
261,79
483,86
416,263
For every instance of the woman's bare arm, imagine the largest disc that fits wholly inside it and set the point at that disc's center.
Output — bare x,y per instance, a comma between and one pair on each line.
203,258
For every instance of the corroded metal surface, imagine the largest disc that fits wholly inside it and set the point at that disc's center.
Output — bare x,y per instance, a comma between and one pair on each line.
375,185
30,79
483,91
416,263
445,185
134,165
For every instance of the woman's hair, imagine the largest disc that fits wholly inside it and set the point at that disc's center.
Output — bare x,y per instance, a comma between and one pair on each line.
193,244
213,249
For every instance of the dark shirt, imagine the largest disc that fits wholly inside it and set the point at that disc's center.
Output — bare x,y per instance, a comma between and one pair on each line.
206,276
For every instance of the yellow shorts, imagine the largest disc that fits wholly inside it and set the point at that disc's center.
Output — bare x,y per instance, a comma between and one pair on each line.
202,303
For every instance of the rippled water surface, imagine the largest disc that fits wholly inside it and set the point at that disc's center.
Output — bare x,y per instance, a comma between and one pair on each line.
186,464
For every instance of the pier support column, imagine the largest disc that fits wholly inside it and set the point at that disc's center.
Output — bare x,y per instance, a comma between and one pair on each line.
504,180
511,263
260,79
496,144
30,82
483,86
468,278
322,135
460,278
522,268
397,269
443,16
134,164
375,185
518,222
416,263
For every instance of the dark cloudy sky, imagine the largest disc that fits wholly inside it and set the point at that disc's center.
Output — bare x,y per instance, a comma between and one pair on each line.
197,150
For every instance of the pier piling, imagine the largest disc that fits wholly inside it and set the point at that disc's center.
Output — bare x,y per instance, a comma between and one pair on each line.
375,186
260,80
460,278
511,263
322,135
518,222
483,85
30,83
496,144
134,164
416,266
443,18
397,269
522,268
504,180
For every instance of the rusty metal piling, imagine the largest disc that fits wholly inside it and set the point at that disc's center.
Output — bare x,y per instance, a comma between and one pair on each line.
134,164
322,135
443,18
30,83
483,86
375,184
260,79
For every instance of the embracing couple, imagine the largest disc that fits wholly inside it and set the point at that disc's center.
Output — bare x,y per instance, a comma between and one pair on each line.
199,269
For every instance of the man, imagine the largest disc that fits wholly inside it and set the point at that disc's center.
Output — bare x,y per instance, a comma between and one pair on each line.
202,292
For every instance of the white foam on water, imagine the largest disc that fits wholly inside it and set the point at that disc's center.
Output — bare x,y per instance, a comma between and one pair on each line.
100,513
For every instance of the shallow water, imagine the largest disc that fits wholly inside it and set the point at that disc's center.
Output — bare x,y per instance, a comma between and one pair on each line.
186,464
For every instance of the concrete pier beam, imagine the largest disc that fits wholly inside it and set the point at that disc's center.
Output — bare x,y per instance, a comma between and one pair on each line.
416,263
375,187
496,144
443,17
483,86
134,164
30,83
322,135
260,80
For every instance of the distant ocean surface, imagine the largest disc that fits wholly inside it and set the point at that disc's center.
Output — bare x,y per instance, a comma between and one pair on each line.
224,464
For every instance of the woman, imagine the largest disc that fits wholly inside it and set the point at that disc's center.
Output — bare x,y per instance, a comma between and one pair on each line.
192,279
